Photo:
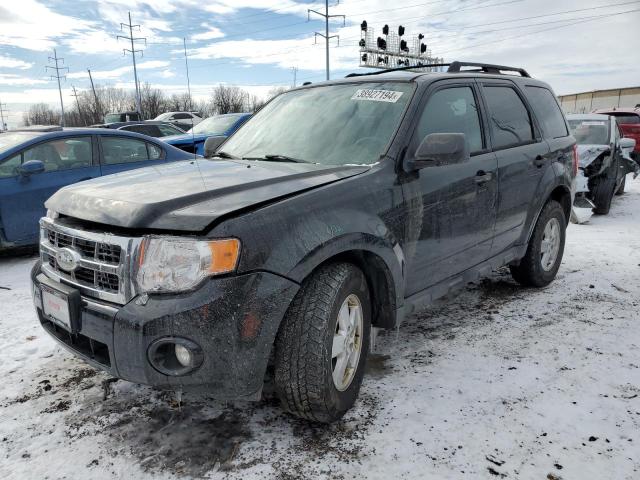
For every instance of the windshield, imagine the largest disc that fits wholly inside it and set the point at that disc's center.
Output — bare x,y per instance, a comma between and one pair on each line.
590,132
215,125
332,125
10,140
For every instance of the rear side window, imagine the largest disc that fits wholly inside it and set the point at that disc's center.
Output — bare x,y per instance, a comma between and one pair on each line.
181,116
123,150
547,111
509,118
452,110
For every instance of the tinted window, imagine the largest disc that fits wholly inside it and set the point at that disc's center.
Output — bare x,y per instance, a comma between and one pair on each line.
166,130
626,119
8,167
509,118
151,130
63,154
547,111
452,110
123,150
181,116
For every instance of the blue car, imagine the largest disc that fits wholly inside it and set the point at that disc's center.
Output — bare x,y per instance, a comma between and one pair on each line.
216,126
34,164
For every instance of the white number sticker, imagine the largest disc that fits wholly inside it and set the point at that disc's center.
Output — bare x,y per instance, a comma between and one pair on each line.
377,95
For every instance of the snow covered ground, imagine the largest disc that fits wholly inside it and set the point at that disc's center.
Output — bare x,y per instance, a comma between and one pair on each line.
498,382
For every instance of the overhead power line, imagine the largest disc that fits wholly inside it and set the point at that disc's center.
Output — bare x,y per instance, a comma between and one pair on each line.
57,68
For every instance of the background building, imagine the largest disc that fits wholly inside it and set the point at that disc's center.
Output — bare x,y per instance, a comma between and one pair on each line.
588,101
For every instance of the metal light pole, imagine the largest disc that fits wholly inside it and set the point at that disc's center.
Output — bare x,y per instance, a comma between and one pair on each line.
326,35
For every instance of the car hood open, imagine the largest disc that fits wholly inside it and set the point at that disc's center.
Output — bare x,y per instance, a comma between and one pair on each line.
189,195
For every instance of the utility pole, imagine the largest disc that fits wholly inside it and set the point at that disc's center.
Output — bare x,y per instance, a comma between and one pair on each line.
295,73
3,126
57,76
75,94
326,35
186,64
133,52
95,96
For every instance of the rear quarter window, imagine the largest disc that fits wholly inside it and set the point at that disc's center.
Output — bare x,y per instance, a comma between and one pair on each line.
547,111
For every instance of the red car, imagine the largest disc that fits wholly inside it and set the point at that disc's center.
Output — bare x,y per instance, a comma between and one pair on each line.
628,120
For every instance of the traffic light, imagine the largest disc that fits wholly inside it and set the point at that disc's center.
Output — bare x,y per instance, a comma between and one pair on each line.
363,26
382,43
362,43
364,57
400,31
423,48
385,30
403,46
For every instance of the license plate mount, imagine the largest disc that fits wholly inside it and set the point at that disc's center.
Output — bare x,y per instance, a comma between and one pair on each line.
61,307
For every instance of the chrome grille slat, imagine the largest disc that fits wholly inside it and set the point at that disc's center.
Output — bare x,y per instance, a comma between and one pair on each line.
105,265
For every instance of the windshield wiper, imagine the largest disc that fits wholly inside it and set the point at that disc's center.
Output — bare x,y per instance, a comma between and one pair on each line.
225,155
277,158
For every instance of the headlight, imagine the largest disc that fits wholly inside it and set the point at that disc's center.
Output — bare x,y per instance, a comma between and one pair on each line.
173,264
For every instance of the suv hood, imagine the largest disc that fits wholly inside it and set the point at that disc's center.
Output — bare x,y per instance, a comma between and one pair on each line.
587,154
189,195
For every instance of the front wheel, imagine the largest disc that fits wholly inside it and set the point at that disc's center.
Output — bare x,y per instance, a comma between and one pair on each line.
322,344
540,264
602,190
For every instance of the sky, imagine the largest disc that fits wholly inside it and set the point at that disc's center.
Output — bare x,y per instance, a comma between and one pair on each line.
575,45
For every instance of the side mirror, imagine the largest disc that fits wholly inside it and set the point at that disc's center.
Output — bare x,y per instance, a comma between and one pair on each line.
31,167
626,142
438,149
211,144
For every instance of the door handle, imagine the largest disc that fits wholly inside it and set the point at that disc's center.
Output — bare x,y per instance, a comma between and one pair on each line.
539,161
483,177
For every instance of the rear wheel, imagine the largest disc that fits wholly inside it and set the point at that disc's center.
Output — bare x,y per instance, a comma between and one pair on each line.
323,343
540,264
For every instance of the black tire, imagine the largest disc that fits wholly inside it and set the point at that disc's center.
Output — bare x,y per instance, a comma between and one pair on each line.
602,190
303,364
622,185
529,271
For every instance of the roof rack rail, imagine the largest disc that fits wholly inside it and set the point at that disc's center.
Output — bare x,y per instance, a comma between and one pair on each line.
397,69
453,67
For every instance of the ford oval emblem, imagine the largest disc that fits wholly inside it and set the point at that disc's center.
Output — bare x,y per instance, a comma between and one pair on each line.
67,259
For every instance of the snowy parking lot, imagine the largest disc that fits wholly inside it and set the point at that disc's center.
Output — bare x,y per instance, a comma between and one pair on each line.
497,382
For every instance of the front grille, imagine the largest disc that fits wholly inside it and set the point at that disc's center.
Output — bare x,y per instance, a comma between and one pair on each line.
102,270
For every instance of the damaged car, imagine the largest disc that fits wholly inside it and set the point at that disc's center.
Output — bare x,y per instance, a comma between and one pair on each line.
604,162
337,208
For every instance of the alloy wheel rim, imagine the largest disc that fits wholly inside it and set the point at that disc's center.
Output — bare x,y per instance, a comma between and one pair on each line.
347,342
550,245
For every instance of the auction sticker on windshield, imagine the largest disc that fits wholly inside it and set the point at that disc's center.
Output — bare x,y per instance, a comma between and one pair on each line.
377,95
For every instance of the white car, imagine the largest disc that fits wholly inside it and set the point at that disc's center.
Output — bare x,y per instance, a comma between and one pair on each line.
183,120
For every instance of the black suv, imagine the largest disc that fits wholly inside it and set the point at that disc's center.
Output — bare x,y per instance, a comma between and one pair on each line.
338,207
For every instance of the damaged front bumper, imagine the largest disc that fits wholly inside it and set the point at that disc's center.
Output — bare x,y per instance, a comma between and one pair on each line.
582,208
233,320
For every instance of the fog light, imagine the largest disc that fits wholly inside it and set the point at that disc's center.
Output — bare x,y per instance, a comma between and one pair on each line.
184,355
175,356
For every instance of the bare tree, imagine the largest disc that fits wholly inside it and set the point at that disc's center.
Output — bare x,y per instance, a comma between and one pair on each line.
41,114
228,99
153,101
